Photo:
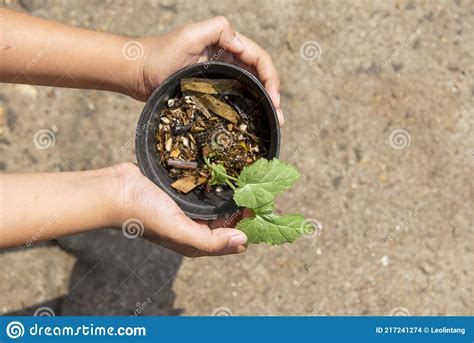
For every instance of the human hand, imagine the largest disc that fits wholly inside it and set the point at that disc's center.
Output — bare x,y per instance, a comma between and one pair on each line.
164,223
200,42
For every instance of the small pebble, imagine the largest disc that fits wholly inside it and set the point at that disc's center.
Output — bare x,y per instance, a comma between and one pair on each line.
185,142
168,144
243,127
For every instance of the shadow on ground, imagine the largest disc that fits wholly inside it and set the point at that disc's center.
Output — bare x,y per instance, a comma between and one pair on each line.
114,275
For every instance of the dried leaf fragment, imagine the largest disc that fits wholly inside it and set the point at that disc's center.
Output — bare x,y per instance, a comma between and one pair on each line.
219,107
212,86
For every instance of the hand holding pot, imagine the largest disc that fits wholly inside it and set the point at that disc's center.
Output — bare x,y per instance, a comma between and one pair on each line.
104,61
212,39
164,223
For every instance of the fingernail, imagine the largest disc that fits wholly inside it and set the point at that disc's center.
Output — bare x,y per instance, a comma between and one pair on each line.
278,99
281,117
237,239
238,43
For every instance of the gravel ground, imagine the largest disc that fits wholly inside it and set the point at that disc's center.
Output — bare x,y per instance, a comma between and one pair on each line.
378,101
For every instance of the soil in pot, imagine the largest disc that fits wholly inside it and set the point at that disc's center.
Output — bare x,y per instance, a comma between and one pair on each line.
213,120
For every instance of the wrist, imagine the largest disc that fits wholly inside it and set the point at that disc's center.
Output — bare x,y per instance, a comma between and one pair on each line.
123,58
148,70
121,180
133,54
100,188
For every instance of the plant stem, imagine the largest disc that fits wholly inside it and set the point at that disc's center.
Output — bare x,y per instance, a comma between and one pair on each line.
206,160
231,177
210,166
230,184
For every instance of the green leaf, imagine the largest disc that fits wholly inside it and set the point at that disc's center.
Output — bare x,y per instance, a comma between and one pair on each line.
257,187
265,209
259,183
273,229
218,174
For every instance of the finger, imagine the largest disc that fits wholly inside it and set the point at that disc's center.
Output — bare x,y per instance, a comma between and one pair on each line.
256,57
192,252
201,240
217,30
226,56
231,58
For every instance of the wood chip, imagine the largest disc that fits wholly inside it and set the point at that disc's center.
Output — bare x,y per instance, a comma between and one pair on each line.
255,138
200,106
188,183
175,153
168,144
212,86
182,164
219,107
192,138
197,129
185,142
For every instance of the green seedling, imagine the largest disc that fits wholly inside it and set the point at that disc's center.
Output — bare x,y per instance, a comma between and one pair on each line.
256,188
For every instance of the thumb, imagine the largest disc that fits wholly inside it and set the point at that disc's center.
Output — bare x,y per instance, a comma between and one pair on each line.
199,240
214,31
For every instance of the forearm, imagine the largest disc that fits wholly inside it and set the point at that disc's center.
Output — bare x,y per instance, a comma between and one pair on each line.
35,207
41,52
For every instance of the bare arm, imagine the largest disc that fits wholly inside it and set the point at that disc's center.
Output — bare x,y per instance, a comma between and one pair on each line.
37,207
42,206
40,52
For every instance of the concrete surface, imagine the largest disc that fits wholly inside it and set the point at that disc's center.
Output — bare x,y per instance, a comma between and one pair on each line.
379,121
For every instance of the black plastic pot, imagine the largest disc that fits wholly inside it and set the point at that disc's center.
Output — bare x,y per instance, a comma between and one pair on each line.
197,204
